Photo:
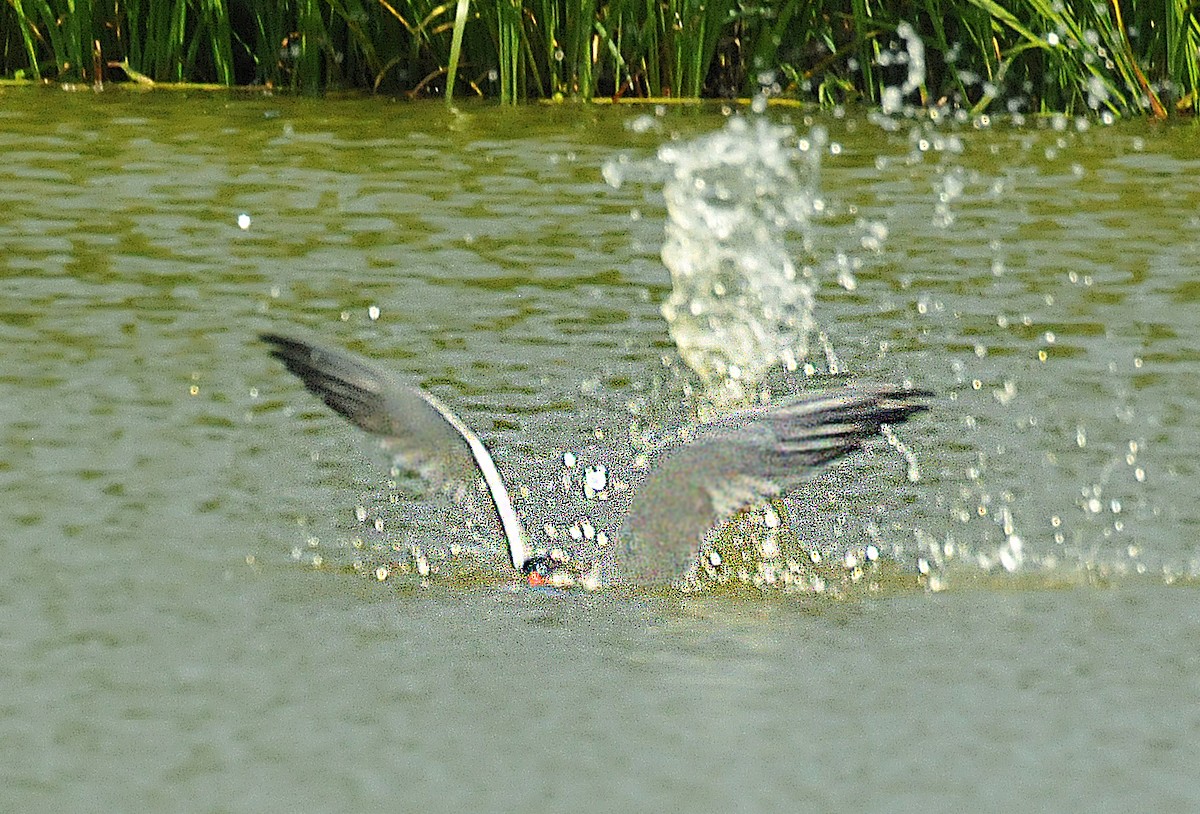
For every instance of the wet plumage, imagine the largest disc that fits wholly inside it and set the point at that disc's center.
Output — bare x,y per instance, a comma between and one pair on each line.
728,465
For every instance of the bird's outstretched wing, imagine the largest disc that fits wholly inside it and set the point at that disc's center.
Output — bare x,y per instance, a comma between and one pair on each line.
420,431
740,460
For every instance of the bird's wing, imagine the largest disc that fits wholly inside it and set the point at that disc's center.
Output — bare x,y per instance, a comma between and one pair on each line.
743,459
420,431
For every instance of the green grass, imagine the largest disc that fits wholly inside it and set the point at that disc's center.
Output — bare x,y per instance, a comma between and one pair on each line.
1033,56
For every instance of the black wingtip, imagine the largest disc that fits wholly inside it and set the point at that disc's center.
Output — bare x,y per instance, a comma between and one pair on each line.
895,407
901,404
350,386
302,359
284,346
281,346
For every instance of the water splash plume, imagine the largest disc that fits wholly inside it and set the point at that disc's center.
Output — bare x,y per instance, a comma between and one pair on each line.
735,200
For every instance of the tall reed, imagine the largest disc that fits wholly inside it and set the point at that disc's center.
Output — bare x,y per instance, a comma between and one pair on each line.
1124,58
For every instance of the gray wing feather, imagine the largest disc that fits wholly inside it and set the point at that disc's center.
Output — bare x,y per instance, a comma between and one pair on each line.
420,431
381,404
740,460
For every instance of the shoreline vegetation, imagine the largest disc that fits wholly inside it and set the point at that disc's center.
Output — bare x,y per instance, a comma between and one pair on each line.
1106,57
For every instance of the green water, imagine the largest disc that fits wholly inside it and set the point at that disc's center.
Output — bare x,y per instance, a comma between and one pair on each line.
168,645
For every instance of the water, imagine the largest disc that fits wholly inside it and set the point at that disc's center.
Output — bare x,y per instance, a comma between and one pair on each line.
738,304
184,628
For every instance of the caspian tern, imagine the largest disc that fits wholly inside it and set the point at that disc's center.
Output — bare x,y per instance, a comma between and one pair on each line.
727,465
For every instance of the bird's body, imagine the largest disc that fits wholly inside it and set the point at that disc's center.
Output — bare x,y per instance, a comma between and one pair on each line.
729,464
743,459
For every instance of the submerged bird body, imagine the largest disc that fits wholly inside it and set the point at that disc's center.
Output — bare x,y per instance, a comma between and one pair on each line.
743,459
728,465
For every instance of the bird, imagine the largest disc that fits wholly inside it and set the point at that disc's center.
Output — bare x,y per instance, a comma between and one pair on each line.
726,465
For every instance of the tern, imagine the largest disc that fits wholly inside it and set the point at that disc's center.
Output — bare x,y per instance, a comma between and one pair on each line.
726,466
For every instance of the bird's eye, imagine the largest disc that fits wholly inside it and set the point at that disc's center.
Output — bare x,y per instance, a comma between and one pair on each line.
539,564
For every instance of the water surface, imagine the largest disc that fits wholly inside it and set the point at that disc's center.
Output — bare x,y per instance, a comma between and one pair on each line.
183,624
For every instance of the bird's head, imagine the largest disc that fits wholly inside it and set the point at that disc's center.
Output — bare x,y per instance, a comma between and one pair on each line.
549,570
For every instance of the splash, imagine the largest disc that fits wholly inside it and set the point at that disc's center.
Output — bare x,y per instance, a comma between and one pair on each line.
735,200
